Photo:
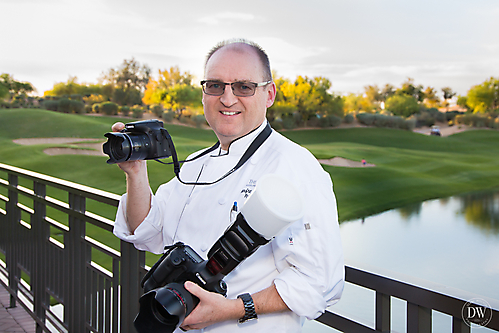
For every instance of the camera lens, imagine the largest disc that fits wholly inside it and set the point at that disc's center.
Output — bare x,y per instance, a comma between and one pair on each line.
164,309
123,147
117,147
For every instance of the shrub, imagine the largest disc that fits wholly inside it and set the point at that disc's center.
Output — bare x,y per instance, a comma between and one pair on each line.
168,116
348,119
109,108
77,106
200,120
333,121
137,112
96,107
125,110
402,105
157,109
276,124
288,122
365,118
408,124
185,119
473,119
314,121
64,105
50,104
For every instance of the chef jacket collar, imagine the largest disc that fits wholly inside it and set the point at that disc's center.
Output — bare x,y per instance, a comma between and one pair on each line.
239,145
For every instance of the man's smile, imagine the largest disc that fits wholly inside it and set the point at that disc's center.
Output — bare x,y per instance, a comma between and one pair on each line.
230,113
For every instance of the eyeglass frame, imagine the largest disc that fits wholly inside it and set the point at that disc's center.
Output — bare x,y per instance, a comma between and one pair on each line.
260,84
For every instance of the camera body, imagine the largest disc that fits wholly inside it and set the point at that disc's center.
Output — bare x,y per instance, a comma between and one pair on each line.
140,140
166,302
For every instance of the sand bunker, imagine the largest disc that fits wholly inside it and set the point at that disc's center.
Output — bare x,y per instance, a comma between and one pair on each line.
343,162
86,148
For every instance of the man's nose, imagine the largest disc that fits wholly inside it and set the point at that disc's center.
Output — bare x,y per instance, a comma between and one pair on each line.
228,98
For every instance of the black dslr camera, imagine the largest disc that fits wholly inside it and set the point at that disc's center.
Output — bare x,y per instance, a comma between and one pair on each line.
166,302
140,140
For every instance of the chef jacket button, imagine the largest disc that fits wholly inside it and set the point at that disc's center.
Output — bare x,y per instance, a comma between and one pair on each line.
254,161
222,201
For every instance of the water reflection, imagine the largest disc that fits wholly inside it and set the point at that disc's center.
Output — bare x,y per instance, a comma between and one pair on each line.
453,242
480,210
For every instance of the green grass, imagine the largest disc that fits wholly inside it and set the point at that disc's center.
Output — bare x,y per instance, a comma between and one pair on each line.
410,167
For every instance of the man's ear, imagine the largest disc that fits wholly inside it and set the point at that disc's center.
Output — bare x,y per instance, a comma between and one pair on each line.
271,93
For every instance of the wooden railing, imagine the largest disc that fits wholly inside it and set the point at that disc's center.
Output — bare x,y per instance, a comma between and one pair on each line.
47,265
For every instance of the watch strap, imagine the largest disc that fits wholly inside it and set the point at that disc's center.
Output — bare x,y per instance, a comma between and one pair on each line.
249,308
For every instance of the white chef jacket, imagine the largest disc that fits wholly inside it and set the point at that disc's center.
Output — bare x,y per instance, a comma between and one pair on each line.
305,262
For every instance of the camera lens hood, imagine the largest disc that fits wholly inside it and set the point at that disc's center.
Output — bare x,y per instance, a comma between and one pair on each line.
163,309
273,205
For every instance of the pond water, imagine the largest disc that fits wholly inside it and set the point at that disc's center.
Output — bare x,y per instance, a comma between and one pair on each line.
453,242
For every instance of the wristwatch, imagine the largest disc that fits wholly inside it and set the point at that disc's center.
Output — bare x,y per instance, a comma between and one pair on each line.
249,308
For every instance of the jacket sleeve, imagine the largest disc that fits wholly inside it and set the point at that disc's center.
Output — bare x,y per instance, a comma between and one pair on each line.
149,234
309,255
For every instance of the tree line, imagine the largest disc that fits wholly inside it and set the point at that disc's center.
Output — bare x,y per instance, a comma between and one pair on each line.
304,101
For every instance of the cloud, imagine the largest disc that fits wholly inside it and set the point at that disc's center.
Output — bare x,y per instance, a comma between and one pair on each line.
231,17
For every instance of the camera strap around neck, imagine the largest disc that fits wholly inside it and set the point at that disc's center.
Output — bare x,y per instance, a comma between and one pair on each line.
257,142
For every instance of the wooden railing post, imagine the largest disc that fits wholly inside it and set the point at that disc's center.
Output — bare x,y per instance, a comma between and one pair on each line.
77,257
41,232
382,312
13,217
418,319
132,260
459,326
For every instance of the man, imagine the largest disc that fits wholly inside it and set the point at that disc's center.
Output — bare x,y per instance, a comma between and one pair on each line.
295,276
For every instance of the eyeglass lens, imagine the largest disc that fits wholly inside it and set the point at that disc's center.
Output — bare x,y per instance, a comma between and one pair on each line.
217,88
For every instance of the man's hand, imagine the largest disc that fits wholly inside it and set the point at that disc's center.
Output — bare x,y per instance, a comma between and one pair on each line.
129,167
212,308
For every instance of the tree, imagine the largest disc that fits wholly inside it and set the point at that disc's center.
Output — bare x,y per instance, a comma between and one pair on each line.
310,97
431,99
374,96
462,101
408,88
484,97
448,94
402,105
129,81
387,92
12,87
357,102
4,91
174,90
72,88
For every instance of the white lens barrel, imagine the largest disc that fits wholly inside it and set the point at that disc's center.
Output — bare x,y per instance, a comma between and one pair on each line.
272,206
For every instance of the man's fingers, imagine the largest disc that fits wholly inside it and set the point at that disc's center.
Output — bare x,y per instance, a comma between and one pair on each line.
193,288
117,127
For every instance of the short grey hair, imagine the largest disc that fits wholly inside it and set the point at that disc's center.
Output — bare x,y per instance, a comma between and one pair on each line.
262,55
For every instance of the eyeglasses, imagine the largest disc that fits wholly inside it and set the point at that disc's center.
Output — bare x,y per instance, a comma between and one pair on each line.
241,89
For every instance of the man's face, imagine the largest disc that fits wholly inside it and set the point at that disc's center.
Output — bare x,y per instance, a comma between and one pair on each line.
231,116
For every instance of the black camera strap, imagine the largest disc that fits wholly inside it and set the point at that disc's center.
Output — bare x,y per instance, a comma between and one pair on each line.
259,140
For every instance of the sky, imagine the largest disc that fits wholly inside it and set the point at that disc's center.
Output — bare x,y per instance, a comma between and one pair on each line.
354,43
